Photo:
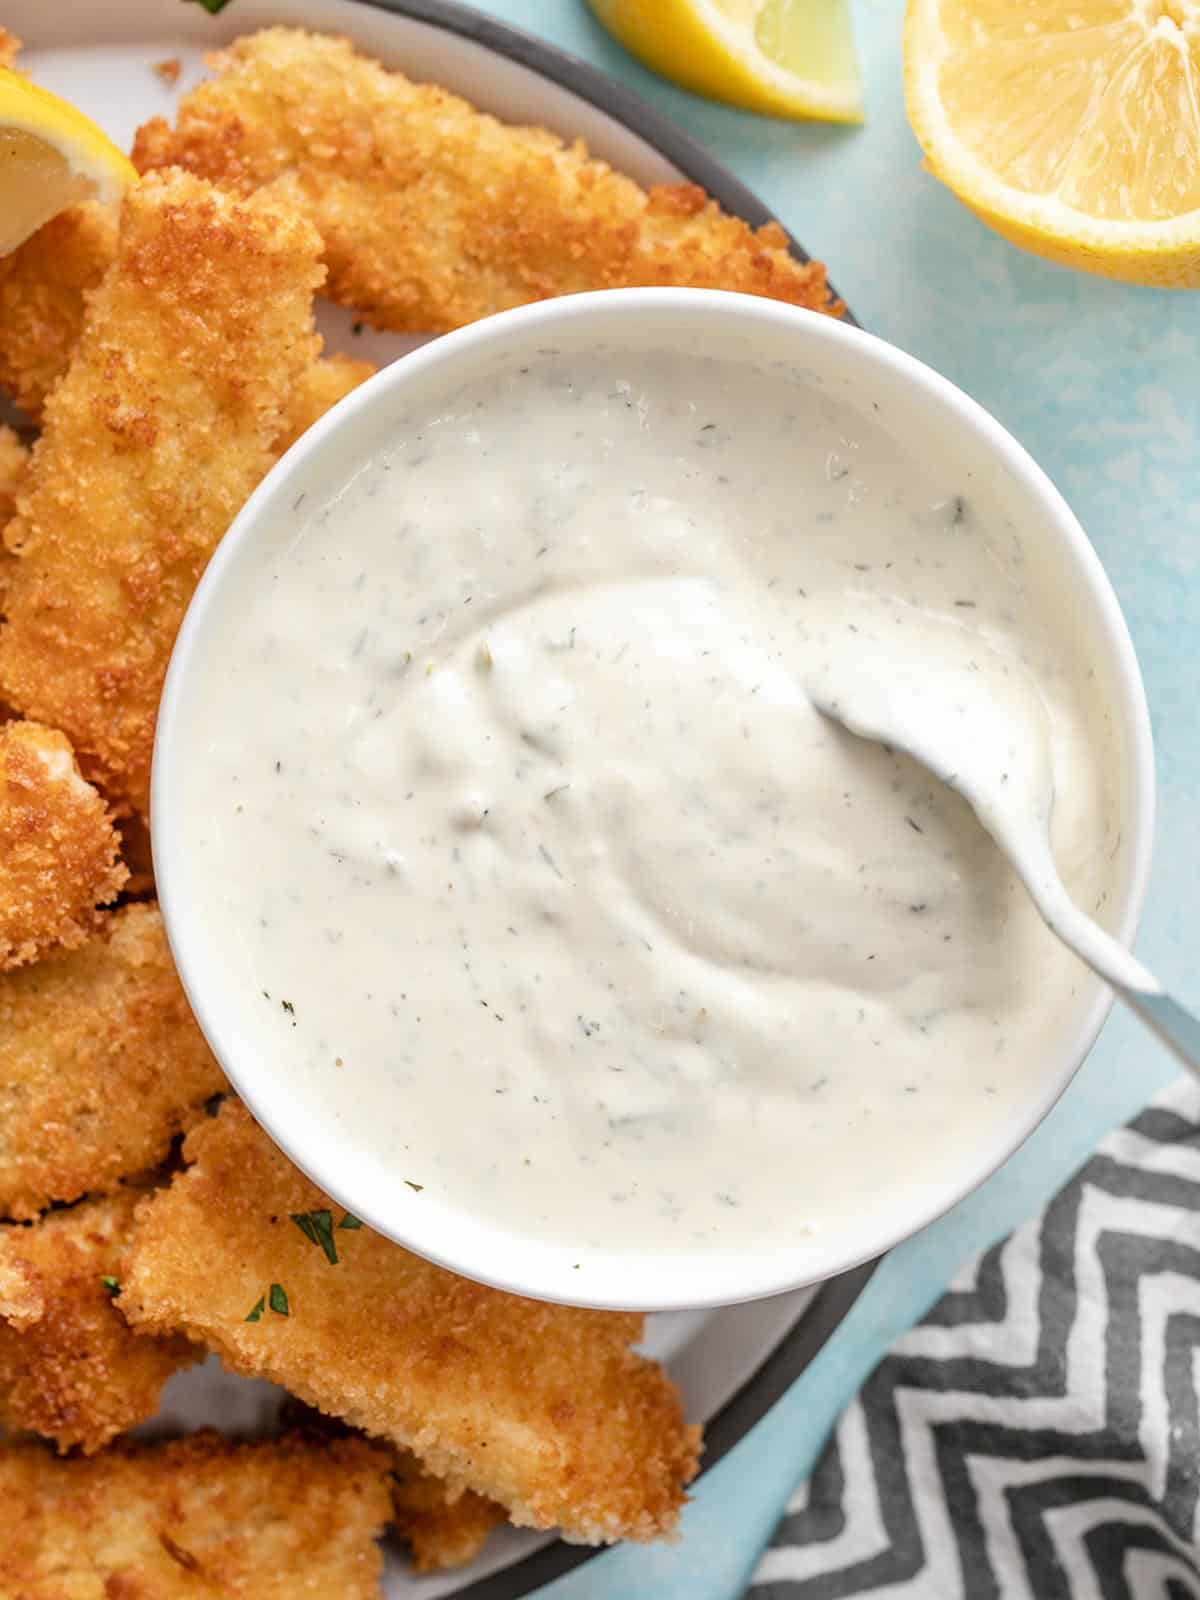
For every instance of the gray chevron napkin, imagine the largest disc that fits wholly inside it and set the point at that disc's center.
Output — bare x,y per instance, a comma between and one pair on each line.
1037,1436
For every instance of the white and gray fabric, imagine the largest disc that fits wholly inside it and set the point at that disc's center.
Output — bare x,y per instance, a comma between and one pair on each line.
1038,1434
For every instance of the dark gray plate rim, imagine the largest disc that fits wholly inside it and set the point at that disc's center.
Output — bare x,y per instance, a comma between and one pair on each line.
800,1344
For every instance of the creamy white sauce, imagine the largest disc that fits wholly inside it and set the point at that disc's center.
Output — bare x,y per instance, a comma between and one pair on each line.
938,691
533,866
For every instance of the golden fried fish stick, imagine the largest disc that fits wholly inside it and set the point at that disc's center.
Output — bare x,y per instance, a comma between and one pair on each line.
42,300
14,458
71,1368
544,1408
322,386
200,1517
59,852
433,214
165,420
43,285
442,1527
101,1065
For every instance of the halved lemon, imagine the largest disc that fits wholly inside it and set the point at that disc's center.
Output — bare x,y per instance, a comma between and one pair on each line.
789,58
51,156
1072,129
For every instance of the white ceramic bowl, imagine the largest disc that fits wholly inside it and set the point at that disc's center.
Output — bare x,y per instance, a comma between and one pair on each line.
932,419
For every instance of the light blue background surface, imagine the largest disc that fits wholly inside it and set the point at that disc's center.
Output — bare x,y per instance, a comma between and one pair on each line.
1102,383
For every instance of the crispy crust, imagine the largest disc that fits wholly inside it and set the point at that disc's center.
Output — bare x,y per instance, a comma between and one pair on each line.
43,296
322,385
70,1366
165,420
442,1527
59,852
43,287
433,214
543,1408
101,1065
14,458
198,1517
14,461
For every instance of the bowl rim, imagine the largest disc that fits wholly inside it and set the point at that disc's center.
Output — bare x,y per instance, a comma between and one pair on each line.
693,1287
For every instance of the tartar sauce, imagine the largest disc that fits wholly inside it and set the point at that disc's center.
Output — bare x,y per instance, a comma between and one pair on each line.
536,870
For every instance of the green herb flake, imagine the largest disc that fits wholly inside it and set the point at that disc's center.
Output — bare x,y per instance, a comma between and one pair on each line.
213,7
277,1300
356,328
304,1222
288,1007
417,1186
111,1284
349,1222
256,1311
317,1228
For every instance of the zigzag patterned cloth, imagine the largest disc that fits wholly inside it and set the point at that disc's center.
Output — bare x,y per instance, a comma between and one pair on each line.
1037,1436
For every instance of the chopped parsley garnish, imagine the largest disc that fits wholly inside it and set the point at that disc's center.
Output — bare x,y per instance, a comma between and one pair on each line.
213,7
111,1284
317,1228
349,1222
288,1007
277,1300
257,1309
417,1186
356,328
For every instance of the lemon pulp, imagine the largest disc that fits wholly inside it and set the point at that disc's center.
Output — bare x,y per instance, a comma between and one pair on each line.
1074,130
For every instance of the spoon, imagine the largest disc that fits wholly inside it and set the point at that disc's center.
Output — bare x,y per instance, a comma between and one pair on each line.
975,719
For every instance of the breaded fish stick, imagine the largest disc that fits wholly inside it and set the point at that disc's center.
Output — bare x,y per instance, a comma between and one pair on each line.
322,385
14,458
441,1528
433,214
59,852
543,1408
70,1366
101,1065
200,1517
165,420
42,288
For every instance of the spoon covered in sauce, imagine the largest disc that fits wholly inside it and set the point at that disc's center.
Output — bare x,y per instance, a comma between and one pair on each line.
938,691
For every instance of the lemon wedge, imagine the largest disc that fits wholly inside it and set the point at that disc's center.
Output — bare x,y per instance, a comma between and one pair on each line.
789,58
1073,130
51,155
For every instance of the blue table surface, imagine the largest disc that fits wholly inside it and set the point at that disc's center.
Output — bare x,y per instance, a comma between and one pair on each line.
1098,380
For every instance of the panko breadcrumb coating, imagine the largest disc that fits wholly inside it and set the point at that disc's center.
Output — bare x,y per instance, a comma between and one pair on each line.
196,1519
59,852
101,1065
442,1527
42,300
71,1367
165,420
433,214
42,288
14,458
544,1408
323,384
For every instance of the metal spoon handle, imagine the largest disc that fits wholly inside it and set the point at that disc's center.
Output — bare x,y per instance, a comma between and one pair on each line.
1174,1024
1141,991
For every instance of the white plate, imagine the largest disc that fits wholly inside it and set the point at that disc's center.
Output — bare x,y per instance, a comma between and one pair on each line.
731,1364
